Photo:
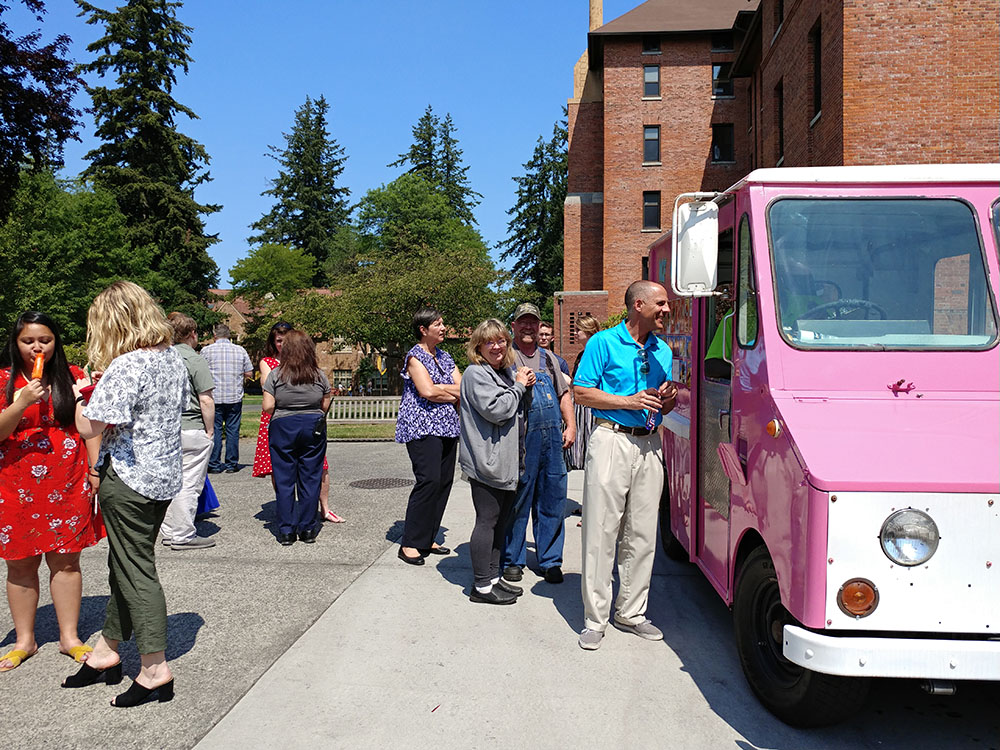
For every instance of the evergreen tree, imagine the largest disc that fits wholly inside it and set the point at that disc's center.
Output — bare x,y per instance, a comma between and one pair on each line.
535,231
435,156
37,85
150,167
423,152
309,206
453,179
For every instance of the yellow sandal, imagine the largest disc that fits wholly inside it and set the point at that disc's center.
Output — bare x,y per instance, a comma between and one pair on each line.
15,657
78,652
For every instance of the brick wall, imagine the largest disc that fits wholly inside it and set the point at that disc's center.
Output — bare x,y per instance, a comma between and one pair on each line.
787,59
568,307
685,112
920,81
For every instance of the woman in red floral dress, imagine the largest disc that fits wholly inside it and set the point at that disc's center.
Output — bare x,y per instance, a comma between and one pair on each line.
46,488
262,455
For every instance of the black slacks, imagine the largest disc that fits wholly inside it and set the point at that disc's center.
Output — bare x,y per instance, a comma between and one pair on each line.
493,514
433,460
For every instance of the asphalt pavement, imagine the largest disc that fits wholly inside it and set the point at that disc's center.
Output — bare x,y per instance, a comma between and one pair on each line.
339,644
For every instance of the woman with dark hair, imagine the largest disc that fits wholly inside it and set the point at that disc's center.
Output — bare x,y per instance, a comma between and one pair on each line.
296,396
46,488
262,456
428,424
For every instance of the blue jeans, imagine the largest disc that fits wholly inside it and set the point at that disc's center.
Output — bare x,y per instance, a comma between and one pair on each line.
541,492
230,415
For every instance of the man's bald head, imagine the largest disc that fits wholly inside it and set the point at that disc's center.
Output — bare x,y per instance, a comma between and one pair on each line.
644,290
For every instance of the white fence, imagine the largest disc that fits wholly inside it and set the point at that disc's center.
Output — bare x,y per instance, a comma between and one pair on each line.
363,409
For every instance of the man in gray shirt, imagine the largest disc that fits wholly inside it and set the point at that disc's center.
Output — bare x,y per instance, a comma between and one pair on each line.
197,423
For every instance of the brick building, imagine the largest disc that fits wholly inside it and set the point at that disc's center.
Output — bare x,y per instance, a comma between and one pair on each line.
683,95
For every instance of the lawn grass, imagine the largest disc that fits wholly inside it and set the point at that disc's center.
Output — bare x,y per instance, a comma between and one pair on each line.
378,431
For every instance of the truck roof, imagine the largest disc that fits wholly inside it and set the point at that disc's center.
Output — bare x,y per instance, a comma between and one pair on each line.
895,173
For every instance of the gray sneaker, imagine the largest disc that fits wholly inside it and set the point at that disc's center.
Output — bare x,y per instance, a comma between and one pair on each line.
644,629
166,542
199,542
590,640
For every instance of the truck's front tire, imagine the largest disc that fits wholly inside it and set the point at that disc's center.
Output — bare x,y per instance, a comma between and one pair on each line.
796,695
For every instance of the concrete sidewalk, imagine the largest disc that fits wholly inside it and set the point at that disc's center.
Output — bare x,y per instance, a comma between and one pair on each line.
403,658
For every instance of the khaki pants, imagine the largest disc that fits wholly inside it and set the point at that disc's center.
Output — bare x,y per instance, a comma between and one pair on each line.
178,524
623,481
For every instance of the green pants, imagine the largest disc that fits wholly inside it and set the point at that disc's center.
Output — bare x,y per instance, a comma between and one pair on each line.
136,603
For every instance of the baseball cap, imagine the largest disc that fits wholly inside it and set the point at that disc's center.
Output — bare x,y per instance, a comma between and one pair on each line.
526,308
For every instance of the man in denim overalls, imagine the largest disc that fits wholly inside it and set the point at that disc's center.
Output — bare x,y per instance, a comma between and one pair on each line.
541,489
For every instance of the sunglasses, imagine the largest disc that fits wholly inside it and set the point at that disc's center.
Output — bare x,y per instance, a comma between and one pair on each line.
644,359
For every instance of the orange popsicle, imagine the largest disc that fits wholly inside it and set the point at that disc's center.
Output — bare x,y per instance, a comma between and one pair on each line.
39,367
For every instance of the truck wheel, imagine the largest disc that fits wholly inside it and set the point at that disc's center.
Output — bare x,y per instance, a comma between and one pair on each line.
672,548
796,695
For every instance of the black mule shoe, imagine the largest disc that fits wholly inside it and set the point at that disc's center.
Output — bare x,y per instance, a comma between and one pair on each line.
137,694
87,675
436,551
418,560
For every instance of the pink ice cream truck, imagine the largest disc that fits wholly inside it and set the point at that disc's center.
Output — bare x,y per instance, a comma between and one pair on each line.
833,463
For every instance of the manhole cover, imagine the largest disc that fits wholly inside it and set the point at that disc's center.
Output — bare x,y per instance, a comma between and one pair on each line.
381,483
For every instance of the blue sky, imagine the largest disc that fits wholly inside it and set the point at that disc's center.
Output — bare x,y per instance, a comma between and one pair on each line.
503,71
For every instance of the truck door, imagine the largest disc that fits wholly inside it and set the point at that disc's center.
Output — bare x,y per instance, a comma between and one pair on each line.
714,406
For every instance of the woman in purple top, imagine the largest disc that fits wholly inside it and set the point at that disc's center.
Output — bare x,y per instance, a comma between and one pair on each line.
428,424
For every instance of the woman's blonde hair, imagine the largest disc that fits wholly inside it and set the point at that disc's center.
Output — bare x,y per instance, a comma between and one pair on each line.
489,330
123,318
588,324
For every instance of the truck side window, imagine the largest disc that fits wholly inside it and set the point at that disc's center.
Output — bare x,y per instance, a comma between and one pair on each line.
718,321
746,301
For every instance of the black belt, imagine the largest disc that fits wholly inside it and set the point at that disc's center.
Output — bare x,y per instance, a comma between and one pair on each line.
636,431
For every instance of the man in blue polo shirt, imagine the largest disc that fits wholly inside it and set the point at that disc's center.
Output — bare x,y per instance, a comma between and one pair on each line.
624,376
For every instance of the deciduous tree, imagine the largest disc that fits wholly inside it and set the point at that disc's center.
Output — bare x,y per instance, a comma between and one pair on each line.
60,246
271,269
37,85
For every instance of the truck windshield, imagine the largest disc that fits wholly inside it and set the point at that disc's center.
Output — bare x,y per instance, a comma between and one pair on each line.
880,274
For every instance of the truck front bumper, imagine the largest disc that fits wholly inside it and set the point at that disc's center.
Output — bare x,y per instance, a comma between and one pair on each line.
929,658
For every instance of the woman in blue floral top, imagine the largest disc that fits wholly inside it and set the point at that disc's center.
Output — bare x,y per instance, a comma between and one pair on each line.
428,424
136,408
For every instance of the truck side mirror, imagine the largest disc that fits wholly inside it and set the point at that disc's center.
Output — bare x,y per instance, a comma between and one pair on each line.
694,257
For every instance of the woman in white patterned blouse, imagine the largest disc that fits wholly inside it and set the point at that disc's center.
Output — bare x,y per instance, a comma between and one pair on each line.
136,407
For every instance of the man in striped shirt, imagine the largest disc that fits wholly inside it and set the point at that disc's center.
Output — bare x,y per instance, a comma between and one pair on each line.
230,365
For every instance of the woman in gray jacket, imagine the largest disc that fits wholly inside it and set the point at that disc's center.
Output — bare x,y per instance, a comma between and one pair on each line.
490,451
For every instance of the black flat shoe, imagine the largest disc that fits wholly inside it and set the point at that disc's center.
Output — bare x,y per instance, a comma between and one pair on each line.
286,540
418,560
496,595
309,537
137,694
87,675
510,588
439,551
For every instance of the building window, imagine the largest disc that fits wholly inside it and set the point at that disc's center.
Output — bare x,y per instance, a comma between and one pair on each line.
779,15
651,144
816,45
651,45
650,80
723,146
722,41
779,121
651,209
722,84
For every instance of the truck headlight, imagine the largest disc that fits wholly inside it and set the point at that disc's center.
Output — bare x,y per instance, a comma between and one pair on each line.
909,537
